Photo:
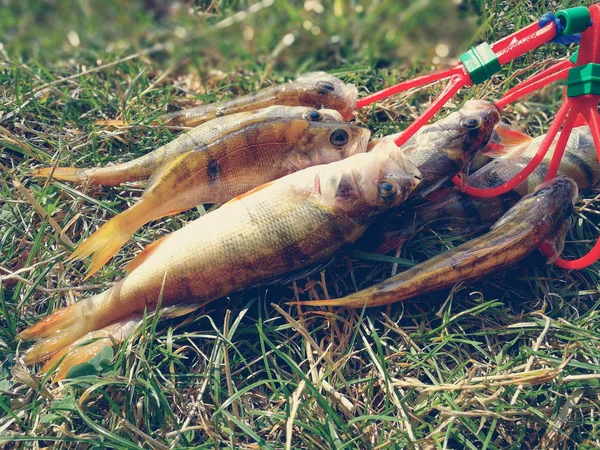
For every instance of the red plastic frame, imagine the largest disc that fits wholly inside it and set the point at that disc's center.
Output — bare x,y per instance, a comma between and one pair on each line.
574,111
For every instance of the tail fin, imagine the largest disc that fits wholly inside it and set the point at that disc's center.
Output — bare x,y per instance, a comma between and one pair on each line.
83,349
108,239
61,173
66,325
54,333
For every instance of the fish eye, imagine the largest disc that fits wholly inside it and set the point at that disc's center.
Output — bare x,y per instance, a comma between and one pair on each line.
387,191
471,122
325,87
339,138
313,115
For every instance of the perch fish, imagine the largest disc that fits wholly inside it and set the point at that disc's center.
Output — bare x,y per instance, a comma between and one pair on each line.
538,218
277,228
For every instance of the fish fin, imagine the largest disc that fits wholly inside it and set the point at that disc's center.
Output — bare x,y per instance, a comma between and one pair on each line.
556,243
512,138
438,195
495,150
84,348
173,311
60,173
54,333
163,170
250,192
107,240
64,326
348,302
77,353
143,255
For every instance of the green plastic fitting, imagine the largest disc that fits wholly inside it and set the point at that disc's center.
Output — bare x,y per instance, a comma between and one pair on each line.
584,80
575,20
480,63
574,56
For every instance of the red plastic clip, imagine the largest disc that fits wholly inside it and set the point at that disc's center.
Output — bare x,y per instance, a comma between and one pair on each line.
578,108
505,50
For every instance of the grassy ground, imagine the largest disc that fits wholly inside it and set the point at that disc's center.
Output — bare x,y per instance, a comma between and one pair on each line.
509,362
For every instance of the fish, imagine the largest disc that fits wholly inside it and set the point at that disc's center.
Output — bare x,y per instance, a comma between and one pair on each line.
440,151
288,139
315,89
539,218
454,209
277,228
142,168
445,148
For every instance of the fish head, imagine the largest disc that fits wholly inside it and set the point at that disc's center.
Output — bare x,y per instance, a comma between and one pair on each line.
547,207
322,89
369,183
464,132
326,138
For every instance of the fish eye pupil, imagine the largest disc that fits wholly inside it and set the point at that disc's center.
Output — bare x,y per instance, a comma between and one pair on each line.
325,87
339,137
471,123
313,116
387,191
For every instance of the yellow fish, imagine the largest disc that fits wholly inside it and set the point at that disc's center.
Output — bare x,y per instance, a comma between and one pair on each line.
287,139
279,227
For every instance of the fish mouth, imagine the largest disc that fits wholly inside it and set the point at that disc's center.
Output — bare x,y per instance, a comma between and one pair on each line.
351,97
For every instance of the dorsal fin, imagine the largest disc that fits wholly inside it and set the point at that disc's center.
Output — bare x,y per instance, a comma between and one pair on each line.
143,255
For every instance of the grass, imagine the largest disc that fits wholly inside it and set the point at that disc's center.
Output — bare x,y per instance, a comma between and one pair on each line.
508,362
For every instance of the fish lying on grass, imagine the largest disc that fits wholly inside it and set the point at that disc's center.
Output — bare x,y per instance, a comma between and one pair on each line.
538,218
316,89
440,151
457,210
285,140
279,227
143,167
445,148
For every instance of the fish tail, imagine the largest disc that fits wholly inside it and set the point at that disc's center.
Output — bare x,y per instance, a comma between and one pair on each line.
108,239
77,353
61,173
63,327
84,348
54,333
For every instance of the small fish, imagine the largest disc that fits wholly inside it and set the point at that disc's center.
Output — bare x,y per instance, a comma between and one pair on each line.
445,148
453,209
315,89
143,167
287,140
277,228
538,218
440,151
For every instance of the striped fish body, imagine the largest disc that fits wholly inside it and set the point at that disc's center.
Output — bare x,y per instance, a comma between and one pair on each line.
460,211
283,226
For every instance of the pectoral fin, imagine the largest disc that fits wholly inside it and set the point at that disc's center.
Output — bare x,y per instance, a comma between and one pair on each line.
556,243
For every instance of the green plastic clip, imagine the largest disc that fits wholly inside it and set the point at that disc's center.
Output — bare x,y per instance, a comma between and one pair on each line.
584,80
480,63
575,20
574,56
